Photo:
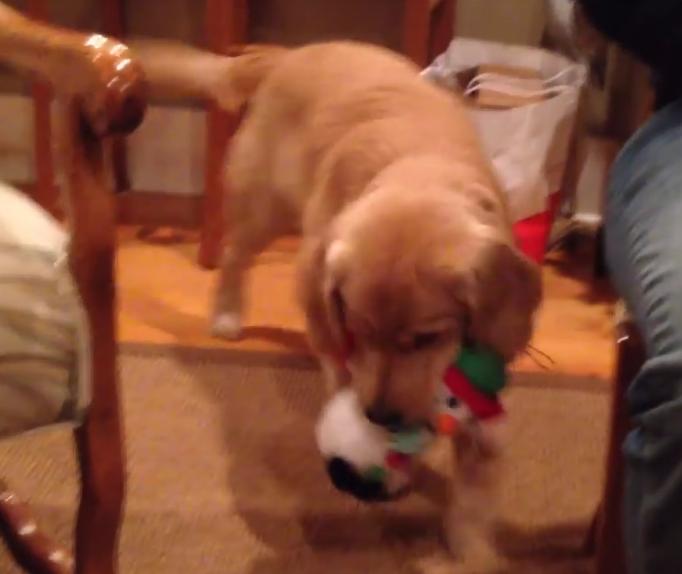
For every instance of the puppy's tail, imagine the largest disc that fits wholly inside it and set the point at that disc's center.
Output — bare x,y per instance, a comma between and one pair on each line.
176,70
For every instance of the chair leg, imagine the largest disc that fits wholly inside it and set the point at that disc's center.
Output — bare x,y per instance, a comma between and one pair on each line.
99,445
31,549
226,26
416,27
442,27
99,440
113,20
590,544
607,527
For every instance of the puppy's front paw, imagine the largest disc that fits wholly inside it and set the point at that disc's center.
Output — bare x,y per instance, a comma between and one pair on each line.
227,326
474,550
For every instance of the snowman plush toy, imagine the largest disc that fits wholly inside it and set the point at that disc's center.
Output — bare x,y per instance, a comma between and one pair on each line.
373,463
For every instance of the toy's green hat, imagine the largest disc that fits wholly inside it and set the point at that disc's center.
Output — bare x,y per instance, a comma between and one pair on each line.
485,369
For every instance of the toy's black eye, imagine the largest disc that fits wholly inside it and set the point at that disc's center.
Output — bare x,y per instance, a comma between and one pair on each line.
453,402
424,340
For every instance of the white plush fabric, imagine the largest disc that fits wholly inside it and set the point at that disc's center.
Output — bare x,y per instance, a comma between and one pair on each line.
343,431
44,339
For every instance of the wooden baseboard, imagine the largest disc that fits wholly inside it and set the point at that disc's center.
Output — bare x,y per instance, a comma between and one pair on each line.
144,207
158,208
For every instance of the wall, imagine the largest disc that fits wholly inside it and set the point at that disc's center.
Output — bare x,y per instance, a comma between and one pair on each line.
511,21
166,153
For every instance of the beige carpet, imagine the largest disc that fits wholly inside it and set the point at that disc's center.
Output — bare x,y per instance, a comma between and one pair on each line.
224,476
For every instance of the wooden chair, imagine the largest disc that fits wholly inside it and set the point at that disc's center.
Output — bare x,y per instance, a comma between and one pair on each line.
428,27
103,93
626,114
606,534
426,31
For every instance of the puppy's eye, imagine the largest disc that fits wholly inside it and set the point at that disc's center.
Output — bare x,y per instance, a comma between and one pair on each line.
424,340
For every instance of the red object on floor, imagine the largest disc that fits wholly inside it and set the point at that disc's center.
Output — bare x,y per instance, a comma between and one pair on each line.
533,232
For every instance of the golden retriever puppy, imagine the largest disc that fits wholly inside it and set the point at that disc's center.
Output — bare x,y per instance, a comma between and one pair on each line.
407,245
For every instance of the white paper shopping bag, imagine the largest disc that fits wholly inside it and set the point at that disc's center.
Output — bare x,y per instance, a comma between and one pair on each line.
529,144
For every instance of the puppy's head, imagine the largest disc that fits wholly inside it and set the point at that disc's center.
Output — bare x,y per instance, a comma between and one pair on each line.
411,277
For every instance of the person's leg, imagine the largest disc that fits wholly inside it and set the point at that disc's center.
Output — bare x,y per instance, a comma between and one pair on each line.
644,253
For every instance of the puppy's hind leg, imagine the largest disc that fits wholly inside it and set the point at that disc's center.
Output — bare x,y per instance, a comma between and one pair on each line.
257,219
243,245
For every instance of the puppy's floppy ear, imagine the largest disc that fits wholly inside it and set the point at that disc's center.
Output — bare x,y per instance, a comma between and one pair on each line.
501,289
321,268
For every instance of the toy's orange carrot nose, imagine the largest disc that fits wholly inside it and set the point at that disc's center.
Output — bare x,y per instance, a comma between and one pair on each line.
447,424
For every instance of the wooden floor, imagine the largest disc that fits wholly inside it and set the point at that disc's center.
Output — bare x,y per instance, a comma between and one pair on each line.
165,297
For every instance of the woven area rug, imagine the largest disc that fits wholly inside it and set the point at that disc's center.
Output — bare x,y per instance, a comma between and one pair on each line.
224,476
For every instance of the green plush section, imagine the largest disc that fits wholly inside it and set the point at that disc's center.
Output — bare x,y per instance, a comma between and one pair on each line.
485,369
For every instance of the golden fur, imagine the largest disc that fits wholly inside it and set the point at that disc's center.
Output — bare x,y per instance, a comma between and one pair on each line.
407,242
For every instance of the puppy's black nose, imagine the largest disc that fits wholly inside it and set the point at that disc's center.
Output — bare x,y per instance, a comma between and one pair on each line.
384,418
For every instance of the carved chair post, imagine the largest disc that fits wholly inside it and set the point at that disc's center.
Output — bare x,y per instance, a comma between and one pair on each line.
102,93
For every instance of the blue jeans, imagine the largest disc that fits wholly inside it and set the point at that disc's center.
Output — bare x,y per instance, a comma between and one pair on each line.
644,253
